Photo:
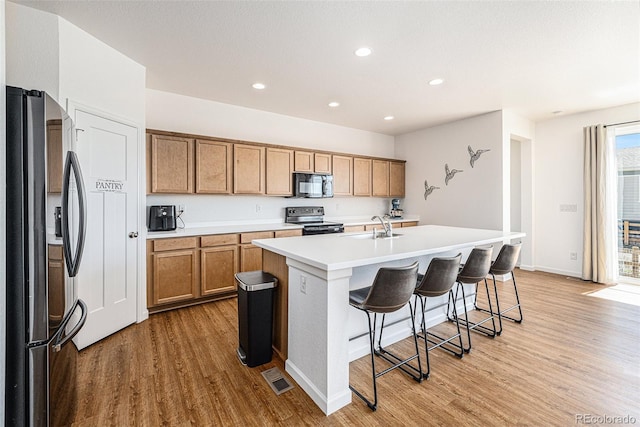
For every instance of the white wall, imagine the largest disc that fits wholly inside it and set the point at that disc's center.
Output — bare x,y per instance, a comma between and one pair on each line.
473,197
559,171
3,210
171,112
32,49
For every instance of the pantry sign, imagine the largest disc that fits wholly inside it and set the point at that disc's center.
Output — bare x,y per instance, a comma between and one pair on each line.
108,186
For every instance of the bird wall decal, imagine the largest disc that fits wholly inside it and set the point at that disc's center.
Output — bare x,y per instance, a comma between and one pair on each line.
428,189
449,173
475,155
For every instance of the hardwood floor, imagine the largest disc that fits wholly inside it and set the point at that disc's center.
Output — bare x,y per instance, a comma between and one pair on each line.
573,354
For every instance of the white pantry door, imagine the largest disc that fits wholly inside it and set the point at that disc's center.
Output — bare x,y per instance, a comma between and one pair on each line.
107,278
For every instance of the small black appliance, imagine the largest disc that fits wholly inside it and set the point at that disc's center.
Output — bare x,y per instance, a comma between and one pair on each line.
162,218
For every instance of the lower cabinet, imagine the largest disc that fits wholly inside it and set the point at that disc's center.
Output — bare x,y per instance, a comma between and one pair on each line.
217,268
174,276
55,278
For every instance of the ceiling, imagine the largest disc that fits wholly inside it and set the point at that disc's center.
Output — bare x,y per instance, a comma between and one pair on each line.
534,58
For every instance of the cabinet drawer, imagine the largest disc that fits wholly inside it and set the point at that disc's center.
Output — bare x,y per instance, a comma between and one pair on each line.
219,240
171,244
248,237
353,228
410,223
289,233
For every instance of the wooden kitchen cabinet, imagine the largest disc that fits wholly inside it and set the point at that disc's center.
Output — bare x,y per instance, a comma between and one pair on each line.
277,265
171,164
54,156
396,179
218,266
353,228
55,279
279,168
380,178
250,255
322,163
288,233
409,224
361,176
174,276
248,169
213,166
304,161
342,175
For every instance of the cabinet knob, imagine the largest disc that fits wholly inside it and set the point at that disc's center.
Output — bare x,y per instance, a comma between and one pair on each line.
133,234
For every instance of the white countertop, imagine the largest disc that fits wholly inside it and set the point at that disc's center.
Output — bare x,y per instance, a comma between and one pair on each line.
273,225
338,251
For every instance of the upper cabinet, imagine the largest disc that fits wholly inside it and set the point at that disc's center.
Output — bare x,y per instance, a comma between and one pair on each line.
322,163
304,161
279,169
213,167
182,164
171,160
361,177
342,175
54,156
396,179
248,169
380,178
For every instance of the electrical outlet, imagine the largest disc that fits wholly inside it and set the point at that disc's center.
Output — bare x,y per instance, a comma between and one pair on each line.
258,208
181,209
303,284
337,206
574,256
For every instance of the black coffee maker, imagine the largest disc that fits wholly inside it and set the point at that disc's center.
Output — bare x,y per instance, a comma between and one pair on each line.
162,218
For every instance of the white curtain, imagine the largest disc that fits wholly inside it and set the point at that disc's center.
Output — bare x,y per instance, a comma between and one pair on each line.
599,261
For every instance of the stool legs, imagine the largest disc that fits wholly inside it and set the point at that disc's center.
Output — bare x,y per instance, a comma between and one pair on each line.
501,312
459,348
477,326
388,356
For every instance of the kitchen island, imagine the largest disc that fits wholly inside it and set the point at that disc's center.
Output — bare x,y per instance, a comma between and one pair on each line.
323,330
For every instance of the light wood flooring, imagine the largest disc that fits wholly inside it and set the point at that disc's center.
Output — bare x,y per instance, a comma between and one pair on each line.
572,355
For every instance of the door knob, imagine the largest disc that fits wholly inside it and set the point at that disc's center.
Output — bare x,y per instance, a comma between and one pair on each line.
133,234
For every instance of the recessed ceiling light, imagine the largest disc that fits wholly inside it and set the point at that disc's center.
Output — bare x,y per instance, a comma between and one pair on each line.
334,104
557,112
389,118
258,86
436,82
363,51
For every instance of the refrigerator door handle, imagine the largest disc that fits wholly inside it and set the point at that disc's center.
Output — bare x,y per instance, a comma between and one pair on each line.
59,342
73,165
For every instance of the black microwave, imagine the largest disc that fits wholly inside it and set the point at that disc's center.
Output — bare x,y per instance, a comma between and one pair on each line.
312,185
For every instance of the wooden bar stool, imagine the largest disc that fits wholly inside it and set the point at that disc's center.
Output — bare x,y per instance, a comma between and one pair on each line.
504,264
474,270
438,280
391,290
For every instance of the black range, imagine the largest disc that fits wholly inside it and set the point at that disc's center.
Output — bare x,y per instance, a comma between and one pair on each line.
312,220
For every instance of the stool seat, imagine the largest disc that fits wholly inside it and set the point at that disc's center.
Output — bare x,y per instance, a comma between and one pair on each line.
357,297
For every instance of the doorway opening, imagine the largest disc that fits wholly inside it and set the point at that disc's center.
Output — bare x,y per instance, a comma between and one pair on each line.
627,145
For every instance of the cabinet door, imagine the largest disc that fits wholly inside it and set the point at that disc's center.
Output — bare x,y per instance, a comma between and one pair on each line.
304,161
248,170
396,179
250,257
380,178
55,279
54,156
342,175
171,164
217,268
213,167
174,276
322,162
361,177
279,169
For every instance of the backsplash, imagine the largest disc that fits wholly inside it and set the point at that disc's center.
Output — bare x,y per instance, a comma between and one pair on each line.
200,208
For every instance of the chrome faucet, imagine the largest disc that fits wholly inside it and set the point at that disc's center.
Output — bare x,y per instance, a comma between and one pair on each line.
385,225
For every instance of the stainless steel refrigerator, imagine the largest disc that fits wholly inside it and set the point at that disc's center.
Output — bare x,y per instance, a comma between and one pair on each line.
40,320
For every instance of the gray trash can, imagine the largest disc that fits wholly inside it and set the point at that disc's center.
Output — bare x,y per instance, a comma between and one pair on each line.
255,316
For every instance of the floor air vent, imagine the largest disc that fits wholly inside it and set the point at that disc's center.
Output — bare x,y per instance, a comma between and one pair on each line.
278,383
